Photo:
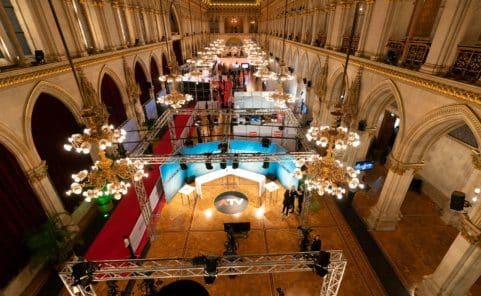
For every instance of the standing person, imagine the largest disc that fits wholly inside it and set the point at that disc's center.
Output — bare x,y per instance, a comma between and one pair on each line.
128,245
316,244
285,203
292,197
300,198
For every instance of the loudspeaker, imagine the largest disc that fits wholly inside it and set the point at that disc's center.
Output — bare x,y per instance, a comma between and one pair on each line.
324,258
190,179
309,83
39,56
457,201
183,166
208,165
361,126
266,164
304,80
148,85
223,164
237,227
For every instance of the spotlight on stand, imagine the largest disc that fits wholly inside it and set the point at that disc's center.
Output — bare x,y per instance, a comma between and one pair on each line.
183,165
223,164
235,163
266,163
208,164
266,142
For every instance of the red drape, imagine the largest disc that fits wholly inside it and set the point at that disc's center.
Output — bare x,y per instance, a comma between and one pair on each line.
20,211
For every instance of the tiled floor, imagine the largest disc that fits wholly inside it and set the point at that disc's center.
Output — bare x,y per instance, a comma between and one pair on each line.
184,231
421,239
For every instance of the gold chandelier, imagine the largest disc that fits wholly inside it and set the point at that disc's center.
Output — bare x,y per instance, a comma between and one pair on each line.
280,97
264,74
175,99
327,174
107,176
173,76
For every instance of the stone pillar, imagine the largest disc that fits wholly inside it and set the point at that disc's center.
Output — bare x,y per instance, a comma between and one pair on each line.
387,211
380,25
335,21
116,11
96,38
461,266
221,24
365,30
455,19
138,25
315,27
42,186
303,29
245,25
21,59
75,29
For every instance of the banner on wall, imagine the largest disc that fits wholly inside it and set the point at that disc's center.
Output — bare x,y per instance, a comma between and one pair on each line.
132,137
150,109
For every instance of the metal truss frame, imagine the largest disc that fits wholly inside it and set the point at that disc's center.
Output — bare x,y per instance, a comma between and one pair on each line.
137,269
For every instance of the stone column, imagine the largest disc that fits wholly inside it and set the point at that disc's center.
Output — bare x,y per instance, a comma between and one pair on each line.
380,25
461,266
140,35
42,186
333,19
116,12
22,60
221,24
385,215
365,30
315,27
455,19
75,29
96,38
303,28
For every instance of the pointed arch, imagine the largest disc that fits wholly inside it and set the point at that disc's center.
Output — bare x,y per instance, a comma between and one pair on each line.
110,89
426,130
118,81
334,83
378,99
140,61
72,104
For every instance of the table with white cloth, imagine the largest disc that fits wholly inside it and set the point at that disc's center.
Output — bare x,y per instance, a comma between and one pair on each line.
186,191
261,179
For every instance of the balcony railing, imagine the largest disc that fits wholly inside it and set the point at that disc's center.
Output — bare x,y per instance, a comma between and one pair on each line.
467,66
415,56
345,44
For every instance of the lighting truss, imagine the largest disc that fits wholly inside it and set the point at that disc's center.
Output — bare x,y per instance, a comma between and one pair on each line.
137,269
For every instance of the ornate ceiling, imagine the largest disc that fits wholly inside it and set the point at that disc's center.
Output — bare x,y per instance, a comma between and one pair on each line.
231,3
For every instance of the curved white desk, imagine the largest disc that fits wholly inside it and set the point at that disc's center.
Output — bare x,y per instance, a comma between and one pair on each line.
261,179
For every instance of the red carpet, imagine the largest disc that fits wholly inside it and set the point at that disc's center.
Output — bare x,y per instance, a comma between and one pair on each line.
109,244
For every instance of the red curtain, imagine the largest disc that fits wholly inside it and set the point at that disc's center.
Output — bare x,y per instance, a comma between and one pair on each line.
20,211
111,97
141,80
52,124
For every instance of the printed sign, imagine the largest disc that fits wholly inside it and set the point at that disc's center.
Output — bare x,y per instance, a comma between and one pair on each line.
231,202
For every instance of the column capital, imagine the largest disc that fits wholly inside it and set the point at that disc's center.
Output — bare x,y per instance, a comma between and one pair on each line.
38,173
399,168
476,158
470,231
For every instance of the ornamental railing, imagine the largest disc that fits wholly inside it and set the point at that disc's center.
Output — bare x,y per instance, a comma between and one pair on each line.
345,44
467,65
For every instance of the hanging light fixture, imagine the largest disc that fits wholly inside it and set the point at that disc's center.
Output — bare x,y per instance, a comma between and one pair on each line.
327,175
107,176
175,99
280,97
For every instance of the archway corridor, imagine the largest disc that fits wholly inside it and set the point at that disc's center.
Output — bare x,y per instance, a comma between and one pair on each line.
421,239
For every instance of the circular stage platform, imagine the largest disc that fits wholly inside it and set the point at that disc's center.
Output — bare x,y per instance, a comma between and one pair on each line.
231,202
183,288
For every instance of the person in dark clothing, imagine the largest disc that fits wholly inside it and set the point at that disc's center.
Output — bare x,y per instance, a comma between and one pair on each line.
316,244
285,203
292,197
300,198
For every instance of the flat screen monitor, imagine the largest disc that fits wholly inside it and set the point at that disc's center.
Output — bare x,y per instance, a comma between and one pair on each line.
364,165
245,66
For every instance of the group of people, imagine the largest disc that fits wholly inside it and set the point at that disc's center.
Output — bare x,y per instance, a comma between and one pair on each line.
289,199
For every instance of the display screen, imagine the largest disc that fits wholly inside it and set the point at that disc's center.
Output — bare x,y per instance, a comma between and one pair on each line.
245,66
364,165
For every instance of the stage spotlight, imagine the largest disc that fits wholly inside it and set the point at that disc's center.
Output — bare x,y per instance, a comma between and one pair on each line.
324,258
260,212
266,142
183,165
235,163
320,271
208,165
208,213
266,163
210,270
223,164
82,273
